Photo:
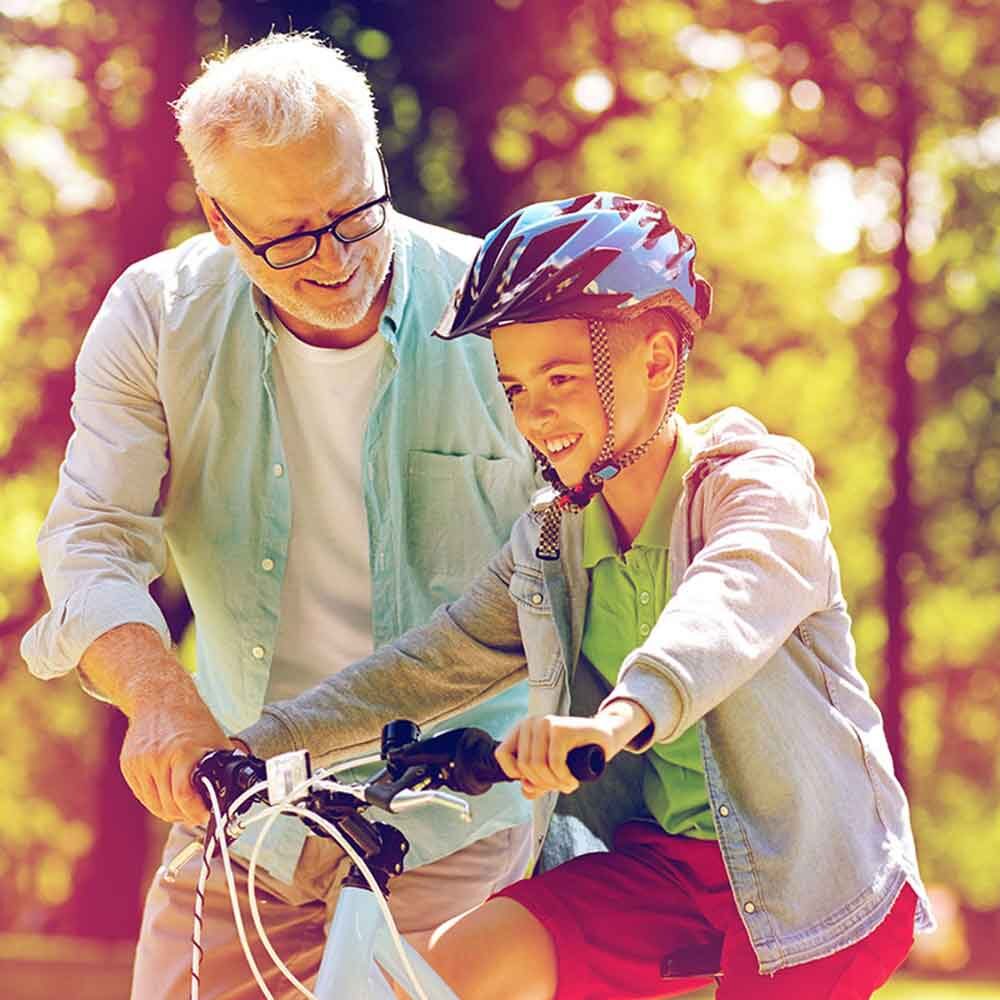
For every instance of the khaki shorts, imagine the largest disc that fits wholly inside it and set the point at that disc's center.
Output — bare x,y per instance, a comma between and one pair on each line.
296,916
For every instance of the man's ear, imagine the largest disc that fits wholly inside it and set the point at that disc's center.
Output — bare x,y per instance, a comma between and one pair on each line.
661,356
219,229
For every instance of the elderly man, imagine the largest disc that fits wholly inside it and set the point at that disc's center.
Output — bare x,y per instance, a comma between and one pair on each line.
268,402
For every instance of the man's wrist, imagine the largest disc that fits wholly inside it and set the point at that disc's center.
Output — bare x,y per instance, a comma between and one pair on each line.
131,667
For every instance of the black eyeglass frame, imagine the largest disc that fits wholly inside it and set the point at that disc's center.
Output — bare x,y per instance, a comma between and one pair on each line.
261,249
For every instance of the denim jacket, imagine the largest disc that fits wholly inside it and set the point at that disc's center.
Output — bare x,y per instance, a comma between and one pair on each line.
177,443
753,647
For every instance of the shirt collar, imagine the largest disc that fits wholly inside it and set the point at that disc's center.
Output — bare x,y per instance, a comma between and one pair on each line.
399,283
599,539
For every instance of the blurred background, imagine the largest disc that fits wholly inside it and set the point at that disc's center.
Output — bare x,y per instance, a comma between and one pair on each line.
839,165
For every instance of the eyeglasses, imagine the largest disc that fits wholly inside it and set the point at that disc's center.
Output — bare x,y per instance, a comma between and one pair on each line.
288,251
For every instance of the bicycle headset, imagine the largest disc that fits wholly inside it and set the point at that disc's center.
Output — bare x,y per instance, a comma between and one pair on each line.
599,257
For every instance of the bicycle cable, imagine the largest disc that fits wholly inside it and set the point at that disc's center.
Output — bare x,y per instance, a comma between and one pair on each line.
220,837
285,807
269,817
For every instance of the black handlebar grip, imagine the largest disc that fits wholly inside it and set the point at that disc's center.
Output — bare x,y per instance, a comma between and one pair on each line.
229,773
476,767
586,763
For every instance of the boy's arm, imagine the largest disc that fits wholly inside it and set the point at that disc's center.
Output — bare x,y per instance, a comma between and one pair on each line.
766,565
468,652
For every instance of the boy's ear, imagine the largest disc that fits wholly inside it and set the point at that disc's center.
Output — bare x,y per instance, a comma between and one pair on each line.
661,356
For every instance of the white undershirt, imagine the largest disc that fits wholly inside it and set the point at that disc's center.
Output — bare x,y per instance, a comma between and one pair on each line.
323,399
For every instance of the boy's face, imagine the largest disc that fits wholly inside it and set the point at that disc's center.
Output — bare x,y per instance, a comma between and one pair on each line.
548,372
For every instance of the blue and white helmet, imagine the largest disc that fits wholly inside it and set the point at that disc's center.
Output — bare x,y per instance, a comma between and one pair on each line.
597,256
600,257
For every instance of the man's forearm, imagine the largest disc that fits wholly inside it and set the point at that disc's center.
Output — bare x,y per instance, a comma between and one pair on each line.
130,666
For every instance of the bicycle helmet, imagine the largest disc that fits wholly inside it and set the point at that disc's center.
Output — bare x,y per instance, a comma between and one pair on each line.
598,257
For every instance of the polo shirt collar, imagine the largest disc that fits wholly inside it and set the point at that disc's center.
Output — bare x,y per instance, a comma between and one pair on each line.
599,539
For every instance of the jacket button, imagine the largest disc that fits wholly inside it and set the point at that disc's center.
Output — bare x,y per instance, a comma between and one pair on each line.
257,652
723,810
536,599
267,565
749,908
279,470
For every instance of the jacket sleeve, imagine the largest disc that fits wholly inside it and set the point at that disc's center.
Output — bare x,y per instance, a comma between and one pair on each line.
101,543
469,651
765,566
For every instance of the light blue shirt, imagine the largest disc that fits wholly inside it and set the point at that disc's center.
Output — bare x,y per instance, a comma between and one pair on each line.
177,444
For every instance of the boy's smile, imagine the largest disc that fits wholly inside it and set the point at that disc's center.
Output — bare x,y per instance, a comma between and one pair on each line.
548,374
547,370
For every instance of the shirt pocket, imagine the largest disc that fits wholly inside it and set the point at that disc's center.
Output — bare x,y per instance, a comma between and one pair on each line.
538,633
459,510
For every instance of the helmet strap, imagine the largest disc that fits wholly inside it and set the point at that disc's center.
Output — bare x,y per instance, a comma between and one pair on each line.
607,465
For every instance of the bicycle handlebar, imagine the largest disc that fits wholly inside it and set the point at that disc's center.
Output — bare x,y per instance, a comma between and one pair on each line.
476,770
460,759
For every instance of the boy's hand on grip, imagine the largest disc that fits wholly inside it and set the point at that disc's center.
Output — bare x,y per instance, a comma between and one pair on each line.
535,750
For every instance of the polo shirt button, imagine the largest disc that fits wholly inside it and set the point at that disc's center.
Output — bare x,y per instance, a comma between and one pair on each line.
749,908
257,652
644,597
279,470
643,629
267,565
536,599
723,810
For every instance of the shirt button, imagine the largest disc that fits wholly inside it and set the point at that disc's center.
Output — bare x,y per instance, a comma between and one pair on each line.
749,908
267,565
257,652
643,629
723,810
279,470
536,599
644,597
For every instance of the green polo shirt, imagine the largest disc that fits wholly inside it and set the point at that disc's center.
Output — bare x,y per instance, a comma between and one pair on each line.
627,593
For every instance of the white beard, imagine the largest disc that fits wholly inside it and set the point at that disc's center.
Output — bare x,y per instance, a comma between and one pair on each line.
345,314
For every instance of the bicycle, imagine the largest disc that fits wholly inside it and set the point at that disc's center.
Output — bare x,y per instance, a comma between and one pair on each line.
415,770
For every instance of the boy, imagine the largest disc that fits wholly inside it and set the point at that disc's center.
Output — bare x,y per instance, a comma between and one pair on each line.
690,569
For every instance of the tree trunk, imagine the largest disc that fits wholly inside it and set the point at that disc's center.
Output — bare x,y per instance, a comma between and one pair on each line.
107,900
897,527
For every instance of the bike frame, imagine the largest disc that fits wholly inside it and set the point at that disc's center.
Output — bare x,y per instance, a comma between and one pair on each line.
358,944
362,939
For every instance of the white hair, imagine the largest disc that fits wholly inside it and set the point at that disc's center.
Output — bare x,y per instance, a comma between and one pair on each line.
272,92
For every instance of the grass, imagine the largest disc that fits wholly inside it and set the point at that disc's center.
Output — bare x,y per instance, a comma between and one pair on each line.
903,987
906,988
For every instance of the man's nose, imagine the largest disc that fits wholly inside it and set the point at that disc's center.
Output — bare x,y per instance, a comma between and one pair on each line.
332,254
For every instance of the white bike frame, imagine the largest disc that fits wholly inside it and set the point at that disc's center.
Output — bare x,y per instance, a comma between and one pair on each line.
362,939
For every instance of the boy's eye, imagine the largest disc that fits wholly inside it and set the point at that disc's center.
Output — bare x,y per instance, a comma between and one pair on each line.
560,379
513,389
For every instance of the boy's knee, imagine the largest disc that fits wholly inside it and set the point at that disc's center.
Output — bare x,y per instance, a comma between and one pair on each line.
497,951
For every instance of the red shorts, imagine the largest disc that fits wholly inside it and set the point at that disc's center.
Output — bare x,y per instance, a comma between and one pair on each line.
613,918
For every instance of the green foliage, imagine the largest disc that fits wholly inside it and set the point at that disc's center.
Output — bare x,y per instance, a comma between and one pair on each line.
71,78
770,131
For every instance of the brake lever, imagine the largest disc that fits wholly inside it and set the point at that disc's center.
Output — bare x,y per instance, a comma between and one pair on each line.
383,789
407,800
